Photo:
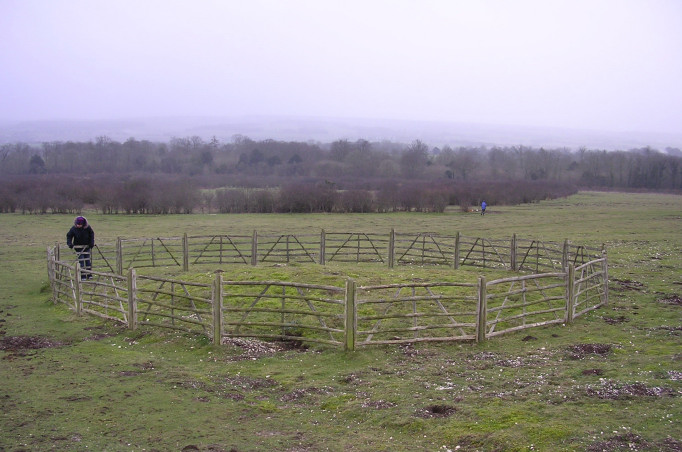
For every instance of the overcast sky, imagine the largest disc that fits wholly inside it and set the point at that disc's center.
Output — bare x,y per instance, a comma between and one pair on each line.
594,64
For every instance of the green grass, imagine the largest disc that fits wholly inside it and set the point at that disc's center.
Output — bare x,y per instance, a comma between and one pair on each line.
100,387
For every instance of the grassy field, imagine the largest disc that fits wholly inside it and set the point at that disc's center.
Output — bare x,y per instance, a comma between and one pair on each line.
611,381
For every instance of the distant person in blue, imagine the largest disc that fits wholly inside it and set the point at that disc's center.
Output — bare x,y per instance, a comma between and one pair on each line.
81,239
483,206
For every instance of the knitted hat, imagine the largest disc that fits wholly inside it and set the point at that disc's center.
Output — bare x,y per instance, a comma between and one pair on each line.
80,220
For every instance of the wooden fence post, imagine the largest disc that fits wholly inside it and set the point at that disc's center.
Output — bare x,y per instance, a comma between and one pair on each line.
351,320
537,257
55,276
132,299
254,248
287,249
512,253
185,253
605,267
77,289
119,256
483,250
50,269
391,248
323,246
481,310
570,293
49,258
456,256
218,308
564,255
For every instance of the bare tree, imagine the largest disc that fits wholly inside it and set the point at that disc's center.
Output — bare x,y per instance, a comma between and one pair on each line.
414,159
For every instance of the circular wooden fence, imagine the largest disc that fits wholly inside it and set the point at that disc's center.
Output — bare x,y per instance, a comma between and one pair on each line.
551,283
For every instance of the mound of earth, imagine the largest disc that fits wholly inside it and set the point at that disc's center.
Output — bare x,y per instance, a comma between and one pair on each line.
18,343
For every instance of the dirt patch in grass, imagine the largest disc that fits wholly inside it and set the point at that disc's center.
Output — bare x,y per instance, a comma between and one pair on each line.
597,372
232,387
481,361
377,404
675,375
19,343
409,350
129,373
633,442
222,391
413,354
488,360
293,344
98,336
75,398
299,394
580,351
252,348
437,411
250,383
351,379
98,333
671,330
149,365
209,448
510,362
627,284
611,390
674,299
616,320
294,395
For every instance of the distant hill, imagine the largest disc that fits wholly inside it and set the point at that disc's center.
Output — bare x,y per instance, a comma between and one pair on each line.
329,129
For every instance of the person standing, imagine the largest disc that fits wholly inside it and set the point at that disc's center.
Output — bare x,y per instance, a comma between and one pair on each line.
483,206
81,239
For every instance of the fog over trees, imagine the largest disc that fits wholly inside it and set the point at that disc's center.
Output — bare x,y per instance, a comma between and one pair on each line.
192,174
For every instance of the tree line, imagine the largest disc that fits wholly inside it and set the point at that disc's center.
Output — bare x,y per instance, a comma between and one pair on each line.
164,194
644,168
189,174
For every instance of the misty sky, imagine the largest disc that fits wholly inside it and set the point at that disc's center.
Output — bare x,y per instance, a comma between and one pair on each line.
594,64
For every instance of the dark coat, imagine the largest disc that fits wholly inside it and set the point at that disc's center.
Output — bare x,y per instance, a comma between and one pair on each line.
83,236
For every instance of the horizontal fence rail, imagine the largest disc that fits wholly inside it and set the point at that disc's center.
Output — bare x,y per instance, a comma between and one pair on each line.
567,281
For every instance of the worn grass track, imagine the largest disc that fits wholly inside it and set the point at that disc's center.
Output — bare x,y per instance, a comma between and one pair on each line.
610,381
